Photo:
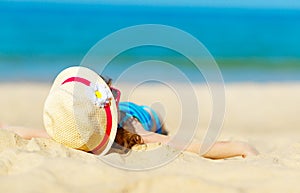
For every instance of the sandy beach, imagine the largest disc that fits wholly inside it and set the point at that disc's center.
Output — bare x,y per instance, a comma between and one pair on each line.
266,115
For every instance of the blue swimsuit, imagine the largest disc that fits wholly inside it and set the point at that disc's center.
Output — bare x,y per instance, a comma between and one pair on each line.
141,113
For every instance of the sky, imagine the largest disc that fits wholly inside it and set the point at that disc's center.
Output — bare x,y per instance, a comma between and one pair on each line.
217,3
289,4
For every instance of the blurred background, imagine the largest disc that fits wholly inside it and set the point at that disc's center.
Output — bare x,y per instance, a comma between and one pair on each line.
250,40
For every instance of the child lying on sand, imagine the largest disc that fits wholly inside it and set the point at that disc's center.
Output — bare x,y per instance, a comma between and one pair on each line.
83,112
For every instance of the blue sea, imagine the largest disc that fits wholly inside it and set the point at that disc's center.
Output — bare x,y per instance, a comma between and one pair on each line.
38,39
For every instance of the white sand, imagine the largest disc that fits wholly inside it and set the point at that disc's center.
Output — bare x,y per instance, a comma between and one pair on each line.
265,115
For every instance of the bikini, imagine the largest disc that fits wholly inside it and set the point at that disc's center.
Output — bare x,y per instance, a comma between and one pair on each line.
142,114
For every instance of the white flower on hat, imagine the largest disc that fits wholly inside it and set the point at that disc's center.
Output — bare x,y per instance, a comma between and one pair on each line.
102,95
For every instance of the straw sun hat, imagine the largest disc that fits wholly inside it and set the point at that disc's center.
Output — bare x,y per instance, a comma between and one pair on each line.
80,111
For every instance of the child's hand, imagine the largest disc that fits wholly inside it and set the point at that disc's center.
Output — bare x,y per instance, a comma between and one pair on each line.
248,150
228,149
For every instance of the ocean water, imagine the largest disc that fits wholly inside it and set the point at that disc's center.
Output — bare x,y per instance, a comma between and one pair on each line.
38,39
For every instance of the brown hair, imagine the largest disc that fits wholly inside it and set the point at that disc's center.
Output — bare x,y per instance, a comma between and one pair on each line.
124,139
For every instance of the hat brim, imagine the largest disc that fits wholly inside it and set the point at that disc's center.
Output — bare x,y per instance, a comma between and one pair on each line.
111,110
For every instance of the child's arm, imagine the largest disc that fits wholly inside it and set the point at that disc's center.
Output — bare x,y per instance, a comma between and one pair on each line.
220,150
225,149
28,133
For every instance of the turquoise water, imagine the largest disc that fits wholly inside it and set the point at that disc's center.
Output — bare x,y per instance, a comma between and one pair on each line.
37,40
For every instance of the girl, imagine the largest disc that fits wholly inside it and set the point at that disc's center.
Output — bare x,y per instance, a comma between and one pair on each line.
83,112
